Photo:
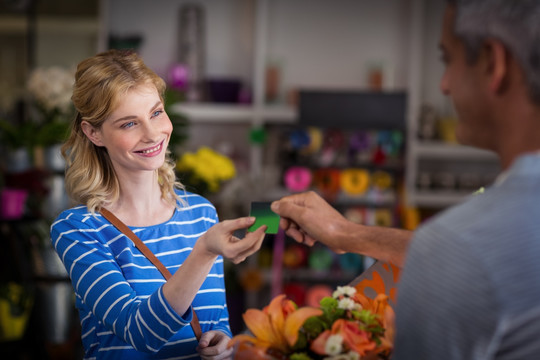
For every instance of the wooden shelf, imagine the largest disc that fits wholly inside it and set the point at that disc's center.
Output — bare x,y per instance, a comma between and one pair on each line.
233,113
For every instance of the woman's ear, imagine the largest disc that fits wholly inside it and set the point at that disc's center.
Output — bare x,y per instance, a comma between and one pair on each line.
93,134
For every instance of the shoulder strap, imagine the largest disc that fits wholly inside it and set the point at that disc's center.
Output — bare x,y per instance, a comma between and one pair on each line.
150,256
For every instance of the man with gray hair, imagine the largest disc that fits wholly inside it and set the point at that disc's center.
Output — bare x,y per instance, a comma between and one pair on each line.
470,287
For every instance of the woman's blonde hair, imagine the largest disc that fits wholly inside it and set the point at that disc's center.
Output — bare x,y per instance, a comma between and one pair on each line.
100,83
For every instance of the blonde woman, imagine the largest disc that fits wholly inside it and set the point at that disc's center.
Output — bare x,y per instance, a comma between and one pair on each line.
117,160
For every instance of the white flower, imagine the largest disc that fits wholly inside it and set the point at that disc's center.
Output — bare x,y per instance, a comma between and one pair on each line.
52,88
347,304
348,291
334,345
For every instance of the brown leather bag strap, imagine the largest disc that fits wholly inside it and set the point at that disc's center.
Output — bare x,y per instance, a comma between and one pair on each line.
150,256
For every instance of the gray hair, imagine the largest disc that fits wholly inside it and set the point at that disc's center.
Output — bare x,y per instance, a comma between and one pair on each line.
516,23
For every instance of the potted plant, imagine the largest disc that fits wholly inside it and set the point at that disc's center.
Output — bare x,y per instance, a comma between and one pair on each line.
51,110
18,140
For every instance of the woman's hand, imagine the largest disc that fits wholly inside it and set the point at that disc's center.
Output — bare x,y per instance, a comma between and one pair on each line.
220,239
213,345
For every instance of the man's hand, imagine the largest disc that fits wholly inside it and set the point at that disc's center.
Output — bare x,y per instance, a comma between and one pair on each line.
308,218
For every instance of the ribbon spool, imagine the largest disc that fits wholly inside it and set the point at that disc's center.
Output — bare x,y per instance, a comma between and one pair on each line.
351,262
333,139
381,180
354,181
333,142
299,139
316,293
327,181
356,215
359,146
383,217
295,256
251,279
295,292
315,140
321,259
264,258
297,178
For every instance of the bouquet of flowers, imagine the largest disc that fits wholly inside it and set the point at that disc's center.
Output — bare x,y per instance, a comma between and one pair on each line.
205,170
348,325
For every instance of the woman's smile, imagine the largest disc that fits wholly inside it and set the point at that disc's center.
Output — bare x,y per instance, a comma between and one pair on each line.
153,151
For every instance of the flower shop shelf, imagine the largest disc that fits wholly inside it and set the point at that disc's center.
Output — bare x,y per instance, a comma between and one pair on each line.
233,113
438,198
51,24
442,150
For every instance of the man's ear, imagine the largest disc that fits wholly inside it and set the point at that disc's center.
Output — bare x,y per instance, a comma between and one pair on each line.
497,65
93,134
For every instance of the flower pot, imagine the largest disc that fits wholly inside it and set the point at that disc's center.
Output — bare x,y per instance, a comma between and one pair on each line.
12,203
57,198
54,303
53,158
14,313
18,160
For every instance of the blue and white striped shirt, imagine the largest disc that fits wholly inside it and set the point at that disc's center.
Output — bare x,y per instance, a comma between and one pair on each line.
118,291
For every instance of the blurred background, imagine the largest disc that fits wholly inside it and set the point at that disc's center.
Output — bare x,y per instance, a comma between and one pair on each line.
268,98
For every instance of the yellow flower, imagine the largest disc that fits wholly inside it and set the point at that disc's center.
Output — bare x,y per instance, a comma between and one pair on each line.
207,166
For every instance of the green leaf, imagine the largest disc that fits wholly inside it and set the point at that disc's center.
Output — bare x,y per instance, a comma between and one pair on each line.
300,356
52,133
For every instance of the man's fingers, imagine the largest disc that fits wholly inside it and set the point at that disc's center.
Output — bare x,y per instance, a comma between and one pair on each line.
284,223
284,207
295,234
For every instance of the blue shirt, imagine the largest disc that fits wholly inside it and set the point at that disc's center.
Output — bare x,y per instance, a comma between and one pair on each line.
470,288
118,290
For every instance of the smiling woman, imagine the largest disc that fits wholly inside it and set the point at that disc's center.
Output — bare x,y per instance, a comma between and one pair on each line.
118,162
136,133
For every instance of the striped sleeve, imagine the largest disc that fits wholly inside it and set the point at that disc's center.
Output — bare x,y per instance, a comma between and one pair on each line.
144,323
212,302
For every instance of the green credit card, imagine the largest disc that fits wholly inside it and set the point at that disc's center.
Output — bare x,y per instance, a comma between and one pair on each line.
264,216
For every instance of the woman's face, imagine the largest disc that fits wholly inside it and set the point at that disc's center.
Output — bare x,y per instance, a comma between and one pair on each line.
137,132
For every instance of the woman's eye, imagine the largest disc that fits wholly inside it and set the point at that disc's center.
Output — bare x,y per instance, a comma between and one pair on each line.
128,125
157,113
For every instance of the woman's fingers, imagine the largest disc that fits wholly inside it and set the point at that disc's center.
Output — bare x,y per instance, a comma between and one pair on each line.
231,226
238,249
252,243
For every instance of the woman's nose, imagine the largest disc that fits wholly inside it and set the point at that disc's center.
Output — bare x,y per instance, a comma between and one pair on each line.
151,132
